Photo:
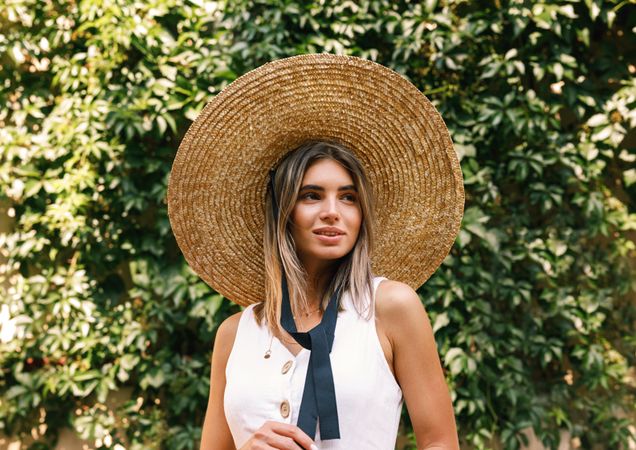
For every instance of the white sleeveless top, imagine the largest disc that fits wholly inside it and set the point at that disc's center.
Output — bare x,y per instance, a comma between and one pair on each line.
368,397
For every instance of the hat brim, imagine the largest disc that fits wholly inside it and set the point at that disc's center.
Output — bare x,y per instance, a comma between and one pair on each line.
218,182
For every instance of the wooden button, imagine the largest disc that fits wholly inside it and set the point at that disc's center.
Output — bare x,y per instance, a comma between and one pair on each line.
284,409
287,366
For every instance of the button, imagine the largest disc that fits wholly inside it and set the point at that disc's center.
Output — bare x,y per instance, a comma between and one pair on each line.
287,366
284,409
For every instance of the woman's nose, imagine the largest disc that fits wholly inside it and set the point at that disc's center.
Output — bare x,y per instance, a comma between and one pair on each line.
330,208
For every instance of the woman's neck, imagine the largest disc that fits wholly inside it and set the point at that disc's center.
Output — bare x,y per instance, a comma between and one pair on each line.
316,283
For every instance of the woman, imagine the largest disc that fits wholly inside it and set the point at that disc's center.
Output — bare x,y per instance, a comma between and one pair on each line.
327,358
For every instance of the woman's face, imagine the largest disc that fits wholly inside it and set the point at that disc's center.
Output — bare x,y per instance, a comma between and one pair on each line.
327,199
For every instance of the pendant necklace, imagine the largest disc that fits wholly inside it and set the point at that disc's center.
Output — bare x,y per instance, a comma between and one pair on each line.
269,350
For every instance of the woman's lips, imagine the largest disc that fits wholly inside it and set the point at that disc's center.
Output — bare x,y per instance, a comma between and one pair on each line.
329,239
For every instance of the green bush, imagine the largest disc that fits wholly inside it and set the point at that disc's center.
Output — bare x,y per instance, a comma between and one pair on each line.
534,308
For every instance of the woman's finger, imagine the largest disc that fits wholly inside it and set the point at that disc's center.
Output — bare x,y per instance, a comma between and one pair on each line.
280,442
296,434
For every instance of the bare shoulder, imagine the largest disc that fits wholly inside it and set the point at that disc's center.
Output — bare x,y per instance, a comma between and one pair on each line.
395,300
226,334
399,312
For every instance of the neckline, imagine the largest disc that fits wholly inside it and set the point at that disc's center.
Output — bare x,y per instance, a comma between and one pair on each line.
345,298
282,345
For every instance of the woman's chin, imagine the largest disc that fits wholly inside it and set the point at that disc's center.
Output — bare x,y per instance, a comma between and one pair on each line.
331,254
325,253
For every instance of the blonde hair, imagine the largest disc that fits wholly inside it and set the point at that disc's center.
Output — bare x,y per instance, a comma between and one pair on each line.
353,274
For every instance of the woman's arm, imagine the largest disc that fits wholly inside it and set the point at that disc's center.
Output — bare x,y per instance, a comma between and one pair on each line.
216,433
417,366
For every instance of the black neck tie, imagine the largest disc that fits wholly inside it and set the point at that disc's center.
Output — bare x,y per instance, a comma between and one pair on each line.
319,396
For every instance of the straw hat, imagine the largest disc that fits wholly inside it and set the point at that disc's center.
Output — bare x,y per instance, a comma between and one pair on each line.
218,182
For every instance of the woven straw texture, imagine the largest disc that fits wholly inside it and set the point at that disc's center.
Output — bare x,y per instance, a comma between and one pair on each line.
218,182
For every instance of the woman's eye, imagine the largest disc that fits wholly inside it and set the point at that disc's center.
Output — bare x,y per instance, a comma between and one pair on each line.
349,197
314,196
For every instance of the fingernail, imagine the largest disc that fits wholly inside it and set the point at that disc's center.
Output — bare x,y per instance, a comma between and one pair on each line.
314,447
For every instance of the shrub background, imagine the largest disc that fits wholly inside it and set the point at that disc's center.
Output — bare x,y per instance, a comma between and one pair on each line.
534,308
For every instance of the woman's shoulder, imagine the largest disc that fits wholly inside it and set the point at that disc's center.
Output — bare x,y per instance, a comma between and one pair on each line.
228,328
395,300
395,294
226,333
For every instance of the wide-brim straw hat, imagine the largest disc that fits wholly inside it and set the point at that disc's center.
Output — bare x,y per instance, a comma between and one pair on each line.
219,178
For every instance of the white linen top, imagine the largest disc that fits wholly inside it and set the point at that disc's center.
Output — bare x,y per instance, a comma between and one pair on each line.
368,398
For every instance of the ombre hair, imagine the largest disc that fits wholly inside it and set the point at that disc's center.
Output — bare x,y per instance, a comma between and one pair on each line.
353,272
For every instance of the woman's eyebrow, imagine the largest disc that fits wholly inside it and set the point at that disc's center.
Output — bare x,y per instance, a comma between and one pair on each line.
315,187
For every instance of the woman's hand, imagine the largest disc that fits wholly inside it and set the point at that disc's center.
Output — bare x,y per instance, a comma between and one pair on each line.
278,435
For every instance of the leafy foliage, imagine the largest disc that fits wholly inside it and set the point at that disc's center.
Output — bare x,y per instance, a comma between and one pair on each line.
534,308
